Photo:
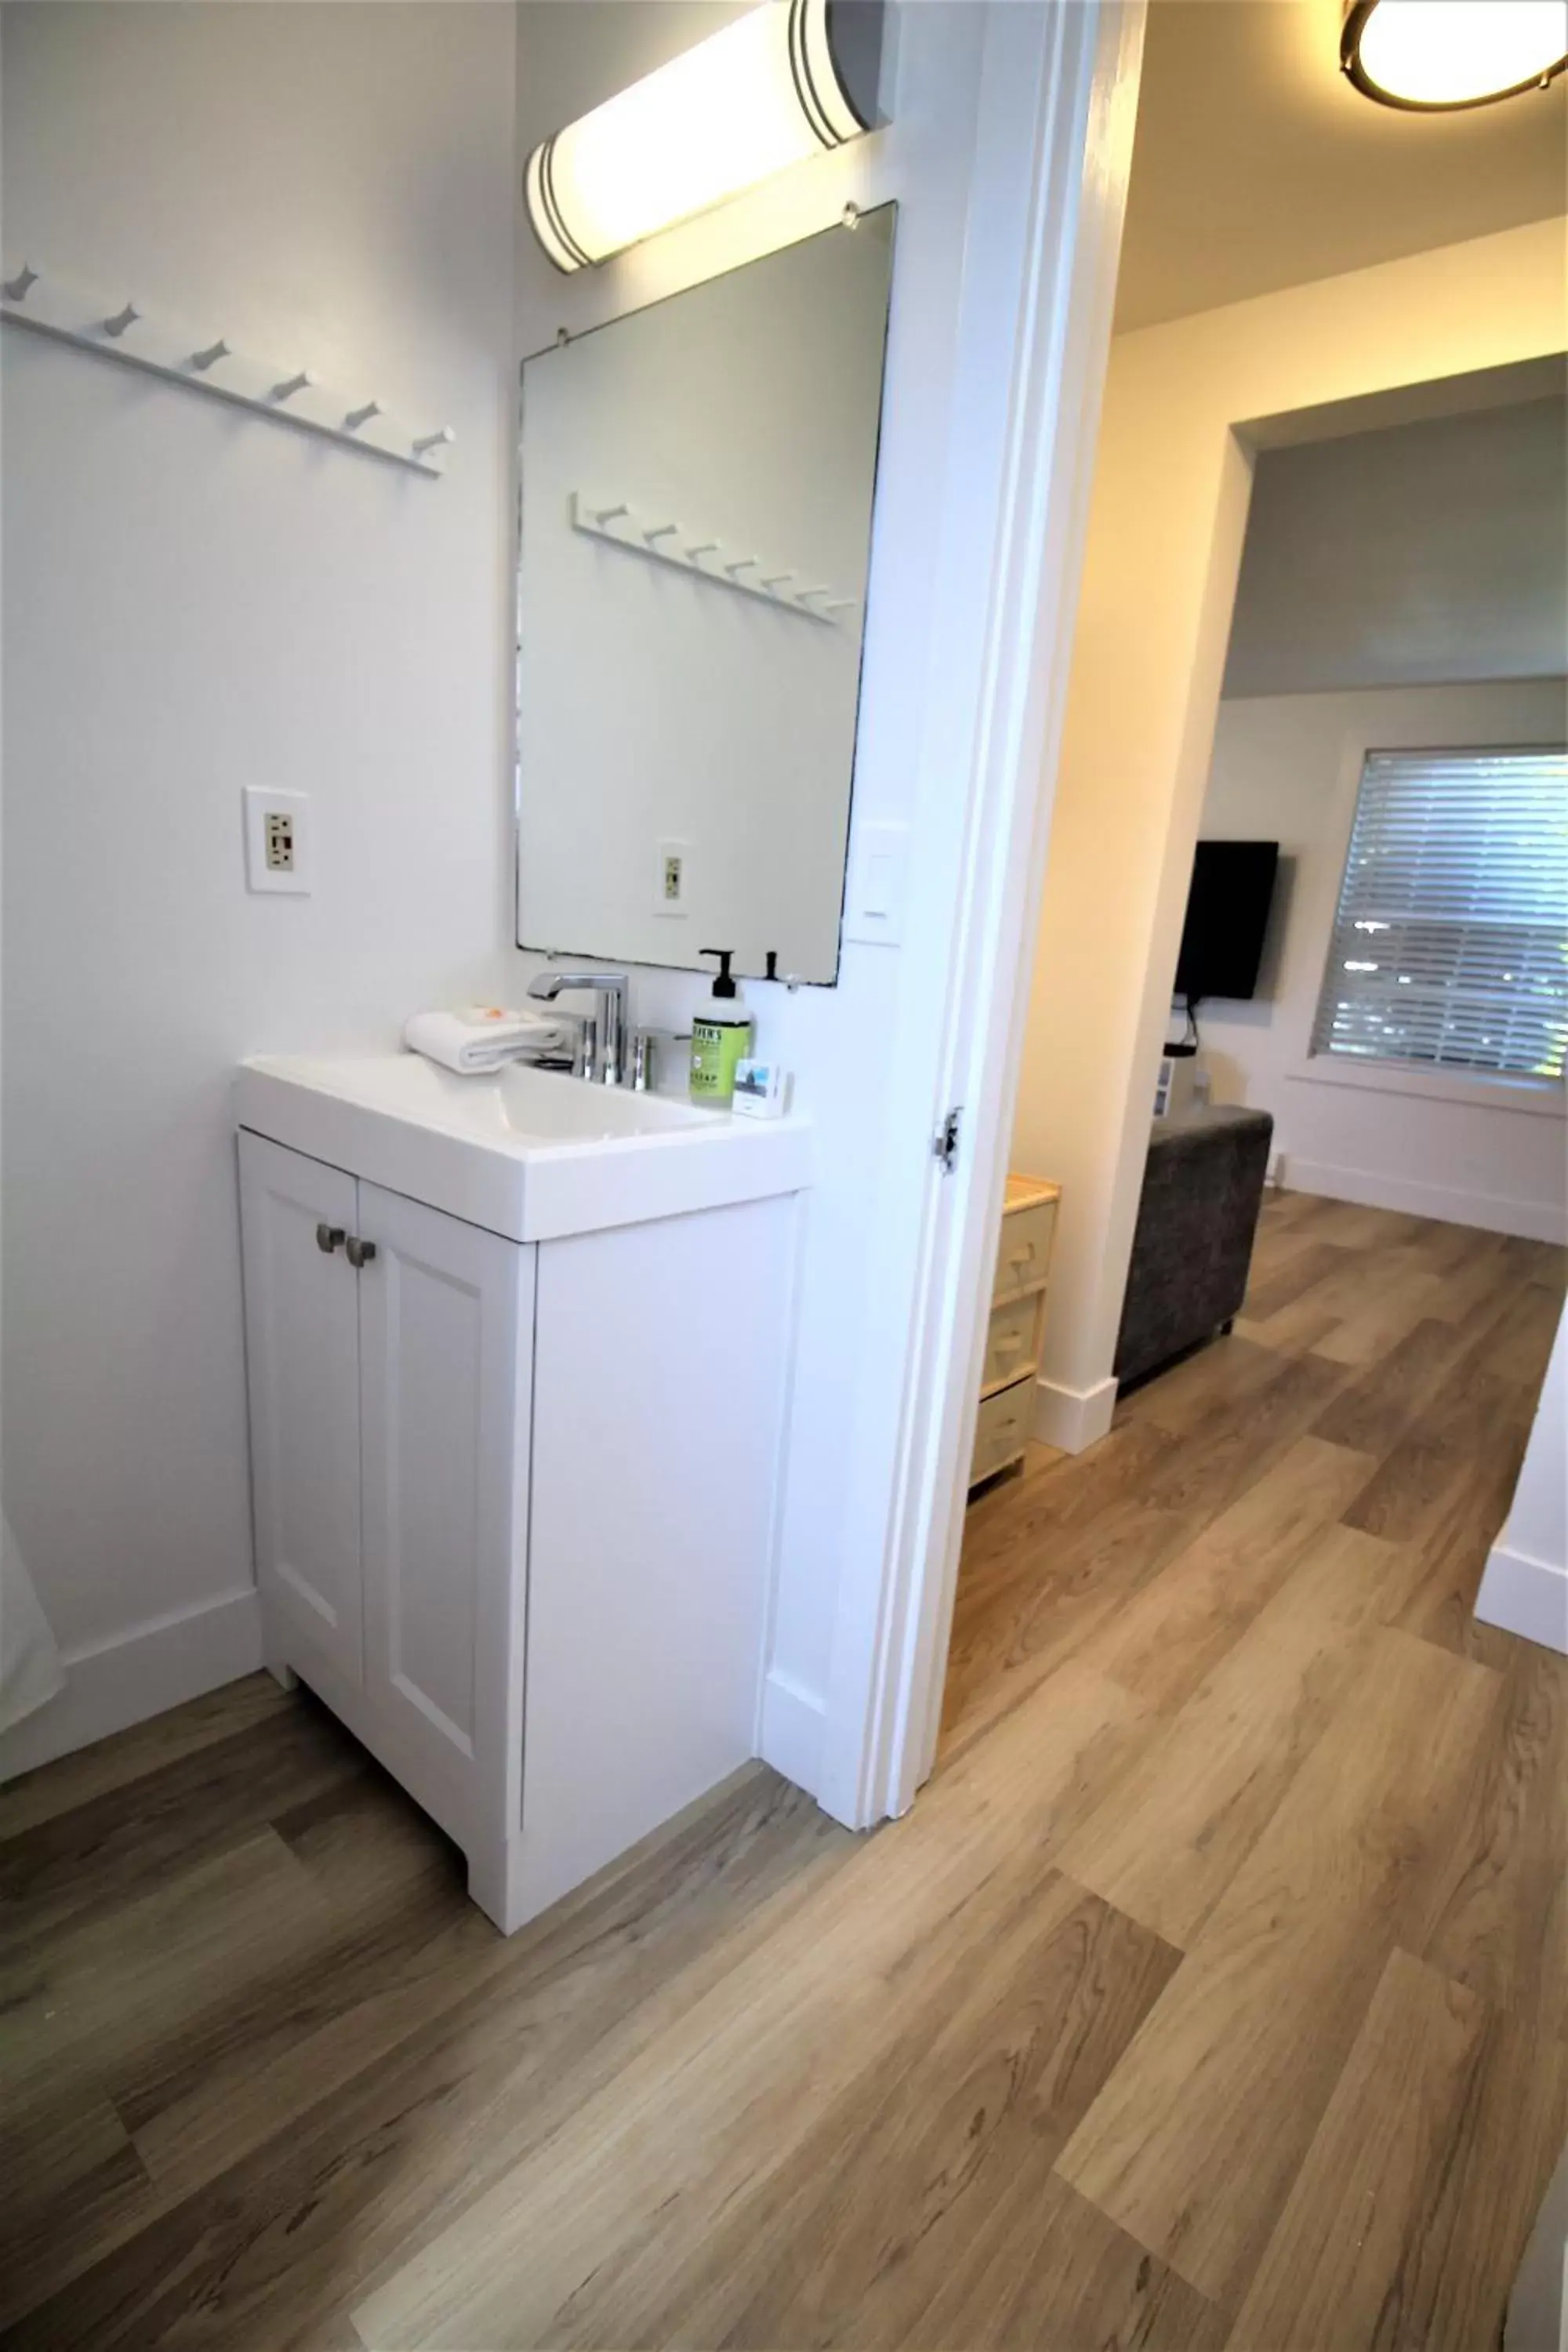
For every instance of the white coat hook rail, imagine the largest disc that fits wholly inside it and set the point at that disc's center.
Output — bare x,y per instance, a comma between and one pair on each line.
654,535
122,330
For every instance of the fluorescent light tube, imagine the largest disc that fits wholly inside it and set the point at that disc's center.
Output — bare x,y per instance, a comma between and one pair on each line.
768,91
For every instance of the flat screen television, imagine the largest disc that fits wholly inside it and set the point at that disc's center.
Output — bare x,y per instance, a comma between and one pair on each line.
1227,915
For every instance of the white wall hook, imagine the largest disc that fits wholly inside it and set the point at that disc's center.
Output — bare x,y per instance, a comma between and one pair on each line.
189,355
657,542
358,417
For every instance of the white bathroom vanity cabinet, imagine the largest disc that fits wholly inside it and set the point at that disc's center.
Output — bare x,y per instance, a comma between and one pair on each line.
515,1473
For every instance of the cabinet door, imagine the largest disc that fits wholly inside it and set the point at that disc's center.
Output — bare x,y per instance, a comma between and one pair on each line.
301,1331
443,1437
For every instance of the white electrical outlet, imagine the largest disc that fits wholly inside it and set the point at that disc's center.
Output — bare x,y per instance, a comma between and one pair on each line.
278,829
672,878
277,840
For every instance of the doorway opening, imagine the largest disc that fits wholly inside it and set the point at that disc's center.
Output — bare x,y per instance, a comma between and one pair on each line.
1379,424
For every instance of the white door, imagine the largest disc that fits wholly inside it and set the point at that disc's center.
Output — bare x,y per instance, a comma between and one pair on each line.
443,1308
301,1327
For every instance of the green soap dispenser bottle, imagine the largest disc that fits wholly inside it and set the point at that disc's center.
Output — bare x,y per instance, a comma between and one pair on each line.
721,1036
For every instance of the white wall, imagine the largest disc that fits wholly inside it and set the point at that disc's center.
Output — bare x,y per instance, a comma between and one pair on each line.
208,604
1165,539
1408,556
1286,769
196,600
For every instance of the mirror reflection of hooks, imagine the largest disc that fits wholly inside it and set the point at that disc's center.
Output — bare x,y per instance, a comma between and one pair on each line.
685,692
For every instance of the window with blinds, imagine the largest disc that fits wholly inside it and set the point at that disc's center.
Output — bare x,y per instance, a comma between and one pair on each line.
1451,944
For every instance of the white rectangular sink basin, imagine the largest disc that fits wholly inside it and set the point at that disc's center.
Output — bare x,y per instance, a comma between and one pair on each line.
529,1153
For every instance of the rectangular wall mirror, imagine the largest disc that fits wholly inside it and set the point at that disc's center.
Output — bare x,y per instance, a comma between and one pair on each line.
696,491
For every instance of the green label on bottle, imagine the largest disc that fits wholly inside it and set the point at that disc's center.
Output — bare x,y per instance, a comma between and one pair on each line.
717,1047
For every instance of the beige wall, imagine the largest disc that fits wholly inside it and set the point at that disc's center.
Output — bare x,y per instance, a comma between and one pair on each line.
1165,534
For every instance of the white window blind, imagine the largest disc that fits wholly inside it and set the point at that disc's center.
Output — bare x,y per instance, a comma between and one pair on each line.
1450,945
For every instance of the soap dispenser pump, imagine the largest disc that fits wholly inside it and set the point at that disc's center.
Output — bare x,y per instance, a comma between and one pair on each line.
721,1036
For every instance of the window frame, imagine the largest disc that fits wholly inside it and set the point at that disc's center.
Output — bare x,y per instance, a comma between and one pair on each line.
1480,1090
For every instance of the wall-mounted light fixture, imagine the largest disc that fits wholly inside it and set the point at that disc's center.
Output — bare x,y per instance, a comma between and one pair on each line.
1432,56
776,85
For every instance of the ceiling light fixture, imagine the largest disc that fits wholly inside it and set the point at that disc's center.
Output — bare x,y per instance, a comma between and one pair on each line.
1432,56
776,85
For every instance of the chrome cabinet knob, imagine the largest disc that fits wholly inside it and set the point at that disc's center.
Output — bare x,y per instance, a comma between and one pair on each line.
358,1252
330,1237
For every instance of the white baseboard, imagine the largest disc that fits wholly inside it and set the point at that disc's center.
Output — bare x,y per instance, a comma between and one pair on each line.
795,1721
1073,1419
1533,1221
1525,1596
138,1673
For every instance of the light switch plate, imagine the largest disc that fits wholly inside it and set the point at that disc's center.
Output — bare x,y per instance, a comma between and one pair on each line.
879,870
278,846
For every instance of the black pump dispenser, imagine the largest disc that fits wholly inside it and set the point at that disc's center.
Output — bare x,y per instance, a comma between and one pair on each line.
721,1035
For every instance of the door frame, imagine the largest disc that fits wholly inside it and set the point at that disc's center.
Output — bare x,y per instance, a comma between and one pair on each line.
1058,98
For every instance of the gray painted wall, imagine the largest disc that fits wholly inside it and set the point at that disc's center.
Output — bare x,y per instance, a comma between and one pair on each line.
1422,555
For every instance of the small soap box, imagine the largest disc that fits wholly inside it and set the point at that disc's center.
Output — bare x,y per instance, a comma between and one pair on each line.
761,1090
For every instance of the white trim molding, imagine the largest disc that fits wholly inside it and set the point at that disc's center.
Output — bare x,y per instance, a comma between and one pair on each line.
1525,1596
793,1722
137,1674
1538,1098
1073,1419
1059,95
1525,1586
1532,1221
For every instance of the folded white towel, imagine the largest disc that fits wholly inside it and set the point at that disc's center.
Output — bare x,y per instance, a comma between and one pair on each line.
479,1038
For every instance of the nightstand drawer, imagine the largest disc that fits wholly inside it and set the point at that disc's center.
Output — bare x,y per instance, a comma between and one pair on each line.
1024,1255
1012,1342
1002,1431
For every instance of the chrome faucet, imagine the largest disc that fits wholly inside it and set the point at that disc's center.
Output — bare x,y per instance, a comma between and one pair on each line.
610,1016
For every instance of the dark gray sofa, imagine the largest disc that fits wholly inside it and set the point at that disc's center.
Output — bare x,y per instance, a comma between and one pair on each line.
1203,1187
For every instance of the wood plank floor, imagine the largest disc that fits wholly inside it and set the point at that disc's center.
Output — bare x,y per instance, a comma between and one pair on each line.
1215,1992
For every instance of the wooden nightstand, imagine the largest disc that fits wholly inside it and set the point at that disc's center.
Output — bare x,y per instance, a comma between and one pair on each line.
1012,1344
